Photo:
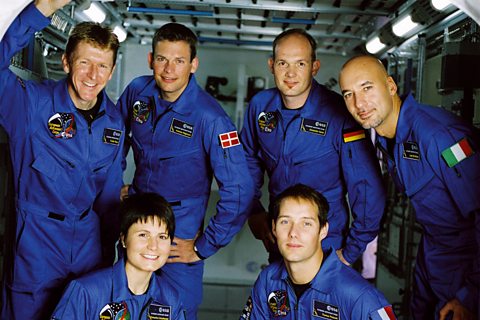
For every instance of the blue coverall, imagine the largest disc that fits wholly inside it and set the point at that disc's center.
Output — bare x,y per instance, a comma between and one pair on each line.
446,202
316,148
105,293
336,292
177,151
67,177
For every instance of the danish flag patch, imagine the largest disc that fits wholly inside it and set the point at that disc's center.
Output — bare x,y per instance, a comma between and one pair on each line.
229,139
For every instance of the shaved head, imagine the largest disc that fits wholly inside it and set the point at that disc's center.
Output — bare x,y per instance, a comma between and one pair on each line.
370,94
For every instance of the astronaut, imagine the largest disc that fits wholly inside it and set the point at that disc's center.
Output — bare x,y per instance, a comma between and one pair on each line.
130,289
66,141
432,156
309,283
181,137
300,132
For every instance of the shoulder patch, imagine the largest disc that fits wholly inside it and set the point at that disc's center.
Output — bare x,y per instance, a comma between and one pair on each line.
386,313
354,134
457,152
229,139
247,310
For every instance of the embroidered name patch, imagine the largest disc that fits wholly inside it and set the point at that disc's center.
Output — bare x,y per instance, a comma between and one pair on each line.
141,111
159,312
62,125
229,139
411,150
182,128
351,135
324,310
111,136
314,126
278,303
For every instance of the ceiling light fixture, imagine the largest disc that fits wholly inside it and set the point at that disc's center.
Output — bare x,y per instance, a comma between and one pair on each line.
95,13
440,5
120,32
374,45
403,26
170,11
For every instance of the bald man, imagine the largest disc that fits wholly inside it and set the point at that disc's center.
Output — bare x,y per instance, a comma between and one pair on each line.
432,156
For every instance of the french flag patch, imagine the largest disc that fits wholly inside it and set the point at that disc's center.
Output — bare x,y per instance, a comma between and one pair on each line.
386,313
229,139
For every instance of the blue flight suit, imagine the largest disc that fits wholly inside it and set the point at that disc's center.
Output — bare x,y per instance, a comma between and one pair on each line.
446,202
336,292
324,148
177,150
104,294
67,178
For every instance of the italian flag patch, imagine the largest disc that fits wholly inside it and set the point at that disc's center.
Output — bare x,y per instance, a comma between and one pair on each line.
458,152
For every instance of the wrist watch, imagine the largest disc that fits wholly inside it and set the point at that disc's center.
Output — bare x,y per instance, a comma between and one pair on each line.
198,253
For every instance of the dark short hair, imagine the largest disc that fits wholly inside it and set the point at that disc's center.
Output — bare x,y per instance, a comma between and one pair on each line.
176,32
94,34
301,191
300,32
139,207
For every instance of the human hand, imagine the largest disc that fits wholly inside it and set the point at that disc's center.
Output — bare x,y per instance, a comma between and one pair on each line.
340,256
182,251
48,7
124,191
458,310
259,224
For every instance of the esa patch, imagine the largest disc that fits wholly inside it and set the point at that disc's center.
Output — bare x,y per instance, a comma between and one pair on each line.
267,121
314,126
411,150
141,111
278,303
324,310
156,311
62,125
247,310
111,136
181,128
114,311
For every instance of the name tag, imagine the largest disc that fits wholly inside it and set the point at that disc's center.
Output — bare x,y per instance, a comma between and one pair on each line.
111,136
182,128
411,151
324,310
314,126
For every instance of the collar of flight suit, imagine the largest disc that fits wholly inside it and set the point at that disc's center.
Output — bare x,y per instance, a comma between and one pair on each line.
120,291
310,108
184,103
62,102
406,116
325,279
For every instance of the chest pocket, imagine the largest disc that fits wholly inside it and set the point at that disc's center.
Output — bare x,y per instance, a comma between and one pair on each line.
183,174
317,168
56,173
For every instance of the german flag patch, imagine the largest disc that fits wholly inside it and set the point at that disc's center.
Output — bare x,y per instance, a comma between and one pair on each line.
350,135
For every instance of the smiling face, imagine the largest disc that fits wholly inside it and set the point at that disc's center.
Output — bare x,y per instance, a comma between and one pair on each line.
370,94
298,232
89,70
172,67
293,69
147,246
